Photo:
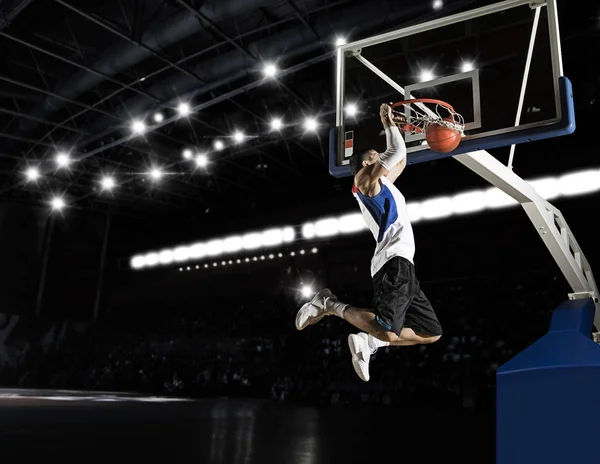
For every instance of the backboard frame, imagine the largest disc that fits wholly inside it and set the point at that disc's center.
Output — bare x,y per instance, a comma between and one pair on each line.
562,124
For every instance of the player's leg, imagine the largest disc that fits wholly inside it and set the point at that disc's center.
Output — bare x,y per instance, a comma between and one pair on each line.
365,320
402,315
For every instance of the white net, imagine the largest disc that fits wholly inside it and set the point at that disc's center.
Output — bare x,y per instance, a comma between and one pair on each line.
417,116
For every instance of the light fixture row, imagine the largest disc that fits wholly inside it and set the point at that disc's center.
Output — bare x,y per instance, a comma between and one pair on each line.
246,260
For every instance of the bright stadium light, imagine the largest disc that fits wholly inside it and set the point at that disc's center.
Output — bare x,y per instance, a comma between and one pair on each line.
57,203
276,124
138,127
239,136
158,117
107,183
183,109
310,124
201,161
426,75
307,291
467,66
32,174
219,145
156,173
63,159
269,70
339,41
187,154
351,109
438,4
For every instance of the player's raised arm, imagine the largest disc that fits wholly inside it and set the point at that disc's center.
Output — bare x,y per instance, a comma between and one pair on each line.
393,159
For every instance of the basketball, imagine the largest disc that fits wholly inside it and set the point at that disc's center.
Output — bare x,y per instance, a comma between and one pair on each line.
442,139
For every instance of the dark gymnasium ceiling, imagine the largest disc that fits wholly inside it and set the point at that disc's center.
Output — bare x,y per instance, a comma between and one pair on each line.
74,73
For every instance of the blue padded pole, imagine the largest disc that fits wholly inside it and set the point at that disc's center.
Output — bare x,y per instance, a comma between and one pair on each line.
545,396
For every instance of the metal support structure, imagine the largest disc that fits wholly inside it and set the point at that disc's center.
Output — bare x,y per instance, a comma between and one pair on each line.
435,24
47,245
547,220
102,266
536,20
340,71
78,65
391,82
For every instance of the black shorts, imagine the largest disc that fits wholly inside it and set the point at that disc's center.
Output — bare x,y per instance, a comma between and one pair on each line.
399,301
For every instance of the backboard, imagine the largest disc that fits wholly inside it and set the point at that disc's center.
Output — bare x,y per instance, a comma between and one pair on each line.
500,66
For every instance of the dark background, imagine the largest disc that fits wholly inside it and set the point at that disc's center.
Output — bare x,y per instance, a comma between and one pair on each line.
229,331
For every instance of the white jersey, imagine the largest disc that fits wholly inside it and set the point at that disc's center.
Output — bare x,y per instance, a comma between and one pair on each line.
387,218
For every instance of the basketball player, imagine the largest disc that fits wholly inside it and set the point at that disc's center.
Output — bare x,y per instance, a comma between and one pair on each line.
401,314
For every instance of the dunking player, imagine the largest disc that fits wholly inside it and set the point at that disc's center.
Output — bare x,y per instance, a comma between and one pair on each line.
401,313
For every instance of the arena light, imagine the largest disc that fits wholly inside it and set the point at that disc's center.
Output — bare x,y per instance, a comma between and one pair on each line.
201,161
468,202
151,259
187,153
138,127
289,235
156,174
426,75
310,124
327,227
158,117
437,208
137,262
314,251
107,183
308,230
351,109
496,198
62,159
276,124
197,251
272,237
350,223
579,183
238,136
467,66
181,254
214,247
438,4
269,70
252,241
233,244
546,187
339,41
57,203
32,174
184,109
165,257
306,291
414,211
218,145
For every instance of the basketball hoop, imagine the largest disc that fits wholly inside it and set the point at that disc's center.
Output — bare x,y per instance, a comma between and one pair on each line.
420,116
443,126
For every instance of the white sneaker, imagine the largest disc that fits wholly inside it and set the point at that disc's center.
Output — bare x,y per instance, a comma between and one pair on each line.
313,311
361,353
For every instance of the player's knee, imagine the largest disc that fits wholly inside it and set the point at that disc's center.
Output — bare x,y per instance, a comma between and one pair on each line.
433,339
387,336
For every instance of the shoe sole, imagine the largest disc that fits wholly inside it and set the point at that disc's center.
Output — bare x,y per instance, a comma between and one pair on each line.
321,294
354,350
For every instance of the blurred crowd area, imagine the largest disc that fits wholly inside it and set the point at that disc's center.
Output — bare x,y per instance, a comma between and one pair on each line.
254,350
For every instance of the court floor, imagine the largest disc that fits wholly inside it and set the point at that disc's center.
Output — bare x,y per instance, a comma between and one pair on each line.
89,427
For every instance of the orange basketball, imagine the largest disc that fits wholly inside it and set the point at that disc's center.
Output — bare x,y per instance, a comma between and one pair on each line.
441,138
